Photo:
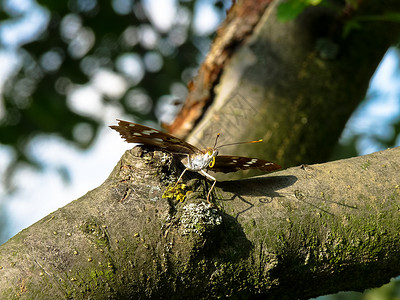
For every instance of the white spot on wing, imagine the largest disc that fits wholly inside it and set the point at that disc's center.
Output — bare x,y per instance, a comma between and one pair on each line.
148,132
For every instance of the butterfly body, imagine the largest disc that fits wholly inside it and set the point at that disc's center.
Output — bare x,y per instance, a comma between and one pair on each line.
199,161
192,158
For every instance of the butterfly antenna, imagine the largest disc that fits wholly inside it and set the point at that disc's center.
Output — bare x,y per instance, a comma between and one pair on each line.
250,142
216,140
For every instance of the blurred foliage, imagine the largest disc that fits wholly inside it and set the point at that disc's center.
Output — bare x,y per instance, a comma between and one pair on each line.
81,39
290,9
389,291
356,23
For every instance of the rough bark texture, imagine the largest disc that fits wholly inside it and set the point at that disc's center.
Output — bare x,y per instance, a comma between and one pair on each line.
236,28
294,234
293,84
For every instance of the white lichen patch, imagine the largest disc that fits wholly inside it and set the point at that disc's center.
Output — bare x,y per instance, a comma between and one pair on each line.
165,157
154,193
199,218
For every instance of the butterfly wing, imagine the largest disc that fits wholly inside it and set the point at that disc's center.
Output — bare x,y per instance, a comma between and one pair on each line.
136,133
227,164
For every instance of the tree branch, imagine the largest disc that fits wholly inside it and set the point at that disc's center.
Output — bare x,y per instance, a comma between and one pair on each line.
296,233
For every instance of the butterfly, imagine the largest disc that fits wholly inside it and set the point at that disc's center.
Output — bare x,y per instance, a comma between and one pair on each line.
192,158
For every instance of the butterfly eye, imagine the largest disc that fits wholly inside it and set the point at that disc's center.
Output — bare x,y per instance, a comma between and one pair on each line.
212,162
209,152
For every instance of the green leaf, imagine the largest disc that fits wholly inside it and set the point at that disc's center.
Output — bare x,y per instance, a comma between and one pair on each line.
355,23
388,17
391,17
352,3
349,26
291,9
313,2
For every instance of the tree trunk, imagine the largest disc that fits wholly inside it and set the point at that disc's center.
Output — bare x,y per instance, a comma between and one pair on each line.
294,84
297,233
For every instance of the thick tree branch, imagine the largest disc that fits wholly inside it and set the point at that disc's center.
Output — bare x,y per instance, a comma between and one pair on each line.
297,233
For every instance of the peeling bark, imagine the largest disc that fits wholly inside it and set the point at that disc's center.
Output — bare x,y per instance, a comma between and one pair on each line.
236,28
297,233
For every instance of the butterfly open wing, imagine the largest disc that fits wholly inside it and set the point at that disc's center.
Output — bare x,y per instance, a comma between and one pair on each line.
136,133
228,163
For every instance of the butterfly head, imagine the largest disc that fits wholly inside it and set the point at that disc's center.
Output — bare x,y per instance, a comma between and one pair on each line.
210,156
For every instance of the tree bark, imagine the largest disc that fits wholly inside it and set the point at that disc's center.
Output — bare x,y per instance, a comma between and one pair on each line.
298,233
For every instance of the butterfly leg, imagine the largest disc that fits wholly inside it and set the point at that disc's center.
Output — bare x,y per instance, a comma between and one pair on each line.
180,177
185,164
211,178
